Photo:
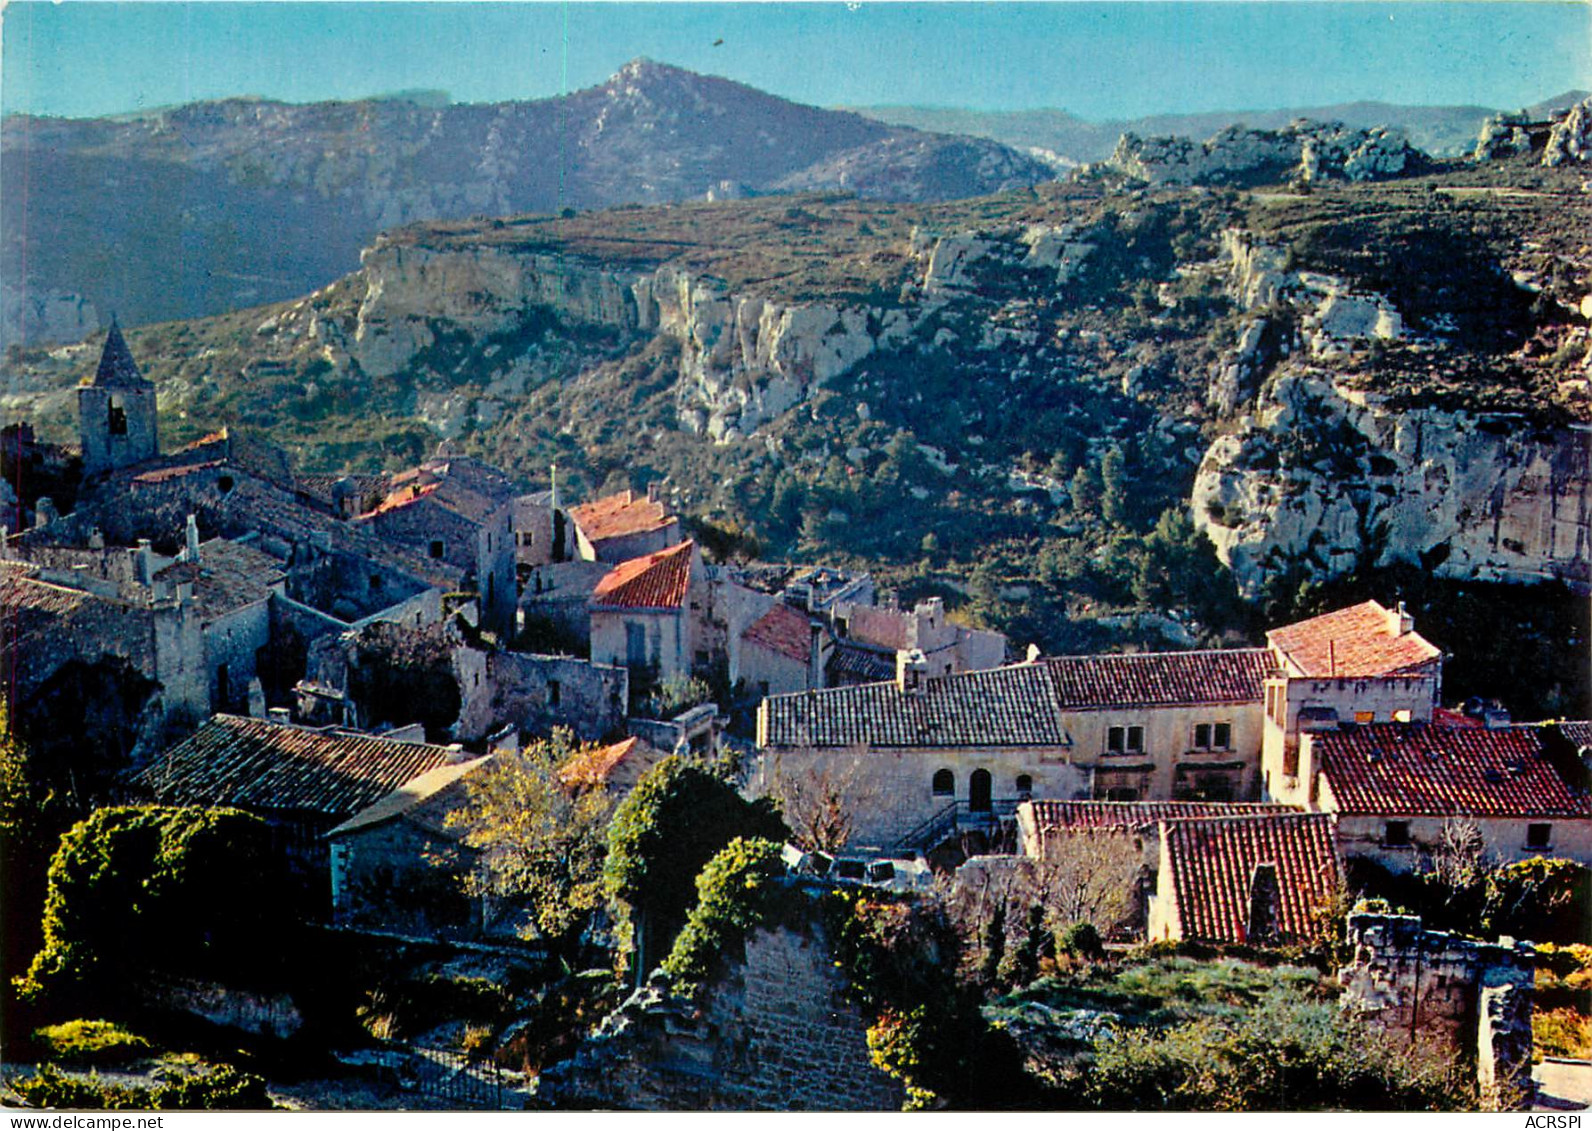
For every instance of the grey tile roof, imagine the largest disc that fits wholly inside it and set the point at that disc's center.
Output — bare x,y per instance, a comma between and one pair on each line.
1011,706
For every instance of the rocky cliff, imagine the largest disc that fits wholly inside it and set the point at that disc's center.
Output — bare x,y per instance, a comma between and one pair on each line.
1335,480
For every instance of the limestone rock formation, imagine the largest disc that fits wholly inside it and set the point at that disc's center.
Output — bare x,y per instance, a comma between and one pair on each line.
1570,140
1307,151
1334,479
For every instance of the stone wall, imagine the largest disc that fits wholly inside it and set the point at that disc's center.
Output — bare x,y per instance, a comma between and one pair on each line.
1467,998
537,693
773,1033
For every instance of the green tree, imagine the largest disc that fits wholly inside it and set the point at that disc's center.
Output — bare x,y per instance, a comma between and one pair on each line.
135,889
675,820
1116,490
542,834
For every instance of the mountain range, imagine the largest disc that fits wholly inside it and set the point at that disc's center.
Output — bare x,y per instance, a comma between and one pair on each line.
198,209
1443,131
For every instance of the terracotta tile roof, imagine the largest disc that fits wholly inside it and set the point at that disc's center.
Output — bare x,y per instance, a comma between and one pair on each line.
659,580
1011,706
1407,769
1444,716
1232,675
1132,814
852,663
1356,642
621,514
783,631
426,800
22,591
1213,862
264,766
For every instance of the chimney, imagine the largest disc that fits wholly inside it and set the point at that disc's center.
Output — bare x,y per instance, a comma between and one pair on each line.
143,569
1261,922
911,671
1399,621
553,504
815,654
280,716
192,536
1033,654
96,539
44,512
654,489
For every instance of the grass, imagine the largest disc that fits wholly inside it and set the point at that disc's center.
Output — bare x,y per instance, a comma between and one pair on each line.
1163,992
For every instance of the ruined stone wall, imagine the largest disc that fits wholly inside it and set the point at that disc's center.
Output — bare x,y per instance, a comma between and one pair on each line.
773,1033
1468,998
538,693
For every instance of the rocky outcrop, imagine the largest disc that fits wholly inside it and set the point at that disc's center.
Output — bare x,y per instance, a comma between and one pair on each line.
1304,151
1334,479
1570,140
744,358
1563,138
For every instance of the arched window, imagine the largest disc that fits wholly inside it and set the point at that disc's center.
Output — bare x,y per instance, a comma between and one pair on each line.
1025,785
944,783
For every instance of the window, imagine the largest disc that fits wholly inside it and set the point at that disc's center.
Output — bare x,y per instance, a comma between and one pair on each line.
489,541
1365,716
435,549
1222,736
635,643
1539,836
944,783
1396,835
1122,793
554,692
1125,740
1025,785
116,419
375,582
224,484
1202,736
1402,715
978,791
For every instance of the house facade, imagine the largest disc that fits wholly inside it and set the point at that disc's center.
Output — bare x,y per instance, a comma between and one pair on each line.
1395,789
645,613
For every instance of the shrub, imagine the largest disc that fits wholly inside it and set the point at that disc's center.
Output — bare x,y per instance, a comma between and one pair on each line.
1081,939
735,892
100,1043
1283,1055
219,1088
676,819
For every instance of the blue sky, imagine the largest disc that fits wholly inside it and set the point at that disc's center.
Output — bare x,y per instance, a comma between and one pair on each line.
1097,60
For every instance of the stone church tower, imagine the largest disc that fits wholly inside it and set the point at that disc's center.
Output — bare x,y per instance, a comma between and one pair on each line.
116,414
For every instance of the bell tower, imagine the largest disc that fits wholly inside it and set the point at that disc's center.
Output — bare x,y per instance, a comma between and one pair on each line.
116,413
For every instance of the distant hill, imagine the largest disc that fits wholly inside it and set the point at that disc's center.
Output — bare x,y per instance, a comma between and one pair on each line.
1443,131
199,209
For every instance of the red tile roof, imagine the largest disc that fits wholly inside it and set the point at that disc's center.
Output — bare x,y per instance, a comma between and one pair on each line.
659,580
1577,733
1407,769
1230,675
1132,814
1352,643
265,766
1212,865
167,474
783,631
621,514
